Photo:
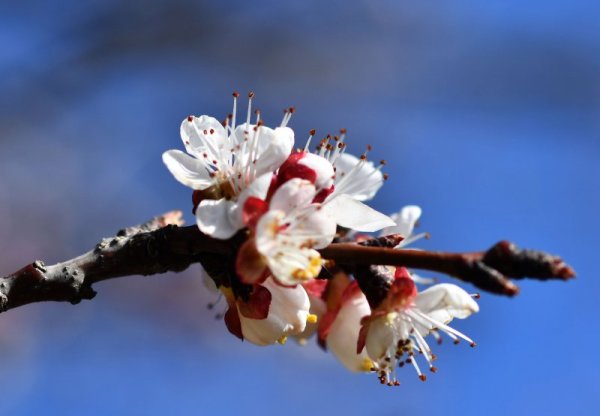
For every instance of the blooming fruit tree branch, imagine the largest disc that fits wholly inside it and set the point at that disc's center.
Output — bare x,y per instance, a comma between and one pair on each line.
282,234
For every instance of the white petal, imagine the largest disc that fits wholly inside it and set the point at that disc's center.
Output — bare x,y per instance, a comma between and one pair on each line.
353,214
380,337
365,181
446,297
318,228
405,221
287,315
322,167
187,170
197,137
293,194
274,148
318,307
343,334
214,218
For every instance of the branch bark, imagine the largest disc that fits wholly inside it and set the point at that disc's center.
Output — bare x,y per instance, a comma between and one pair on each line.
161,245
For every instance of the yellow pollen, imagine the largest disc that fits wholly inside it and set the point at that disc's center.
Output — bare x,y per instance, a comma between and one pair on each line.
312,318
367,365
282,340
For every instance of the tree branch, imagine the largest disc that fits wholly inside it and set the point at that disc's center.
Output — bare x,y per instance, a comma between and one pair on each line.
161,245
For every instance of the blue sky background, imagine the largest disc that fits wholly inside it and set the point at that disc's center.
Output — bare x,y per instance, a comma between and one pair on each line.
488,114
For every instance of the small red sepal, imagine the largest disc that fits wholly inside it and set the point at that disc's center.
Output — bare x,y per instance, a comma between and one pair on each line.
249,264
232,322
254,208
258,304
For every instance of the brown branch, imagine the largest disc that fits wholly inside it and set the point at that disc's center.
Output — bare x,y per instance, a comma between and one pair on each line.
161,245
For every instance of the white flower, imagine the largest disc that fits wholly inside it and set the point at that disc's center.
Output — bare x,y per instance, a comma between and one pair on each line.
341,197
286,235
342,335
355,177
406,221
272,313
228,164
398,327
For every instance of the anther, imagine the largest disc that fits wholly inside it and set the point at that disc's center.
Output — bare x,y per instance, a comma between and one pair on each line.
312,132
475,295
433,369
456,341
235,94
342,131
385,176
251,94
292,110
423,377
382,162
473,345
190,118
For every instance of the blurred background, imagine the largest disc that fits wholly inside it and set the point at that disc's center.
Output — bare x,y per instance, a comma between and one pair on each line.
488,114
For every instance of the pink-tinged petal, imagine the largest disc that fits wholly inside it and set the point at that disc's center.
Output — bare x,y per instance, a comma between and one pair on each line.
292,194
343,336
249,264
323,194
325,325
258,303
322,167
213,217
254,208
355,215
405,220
315,287
232,321
362,338
366,180
202,134
187,170
291,169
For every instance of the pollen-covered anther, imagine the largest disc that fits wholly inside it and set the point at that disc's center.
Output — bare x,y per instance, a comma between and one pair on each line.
312,318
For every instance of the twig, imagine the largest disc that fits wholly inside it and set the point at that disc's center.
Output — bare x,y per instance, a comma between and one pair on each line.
161,245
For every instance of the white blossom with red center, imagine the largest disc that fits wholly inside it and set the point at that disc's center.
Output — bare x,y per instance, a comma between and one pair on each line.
397,328
287,231
271,313
227,164
341,198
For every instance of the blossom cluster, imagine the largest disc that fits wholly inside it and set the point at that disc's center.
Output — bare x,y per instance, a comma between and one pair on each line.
281,204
